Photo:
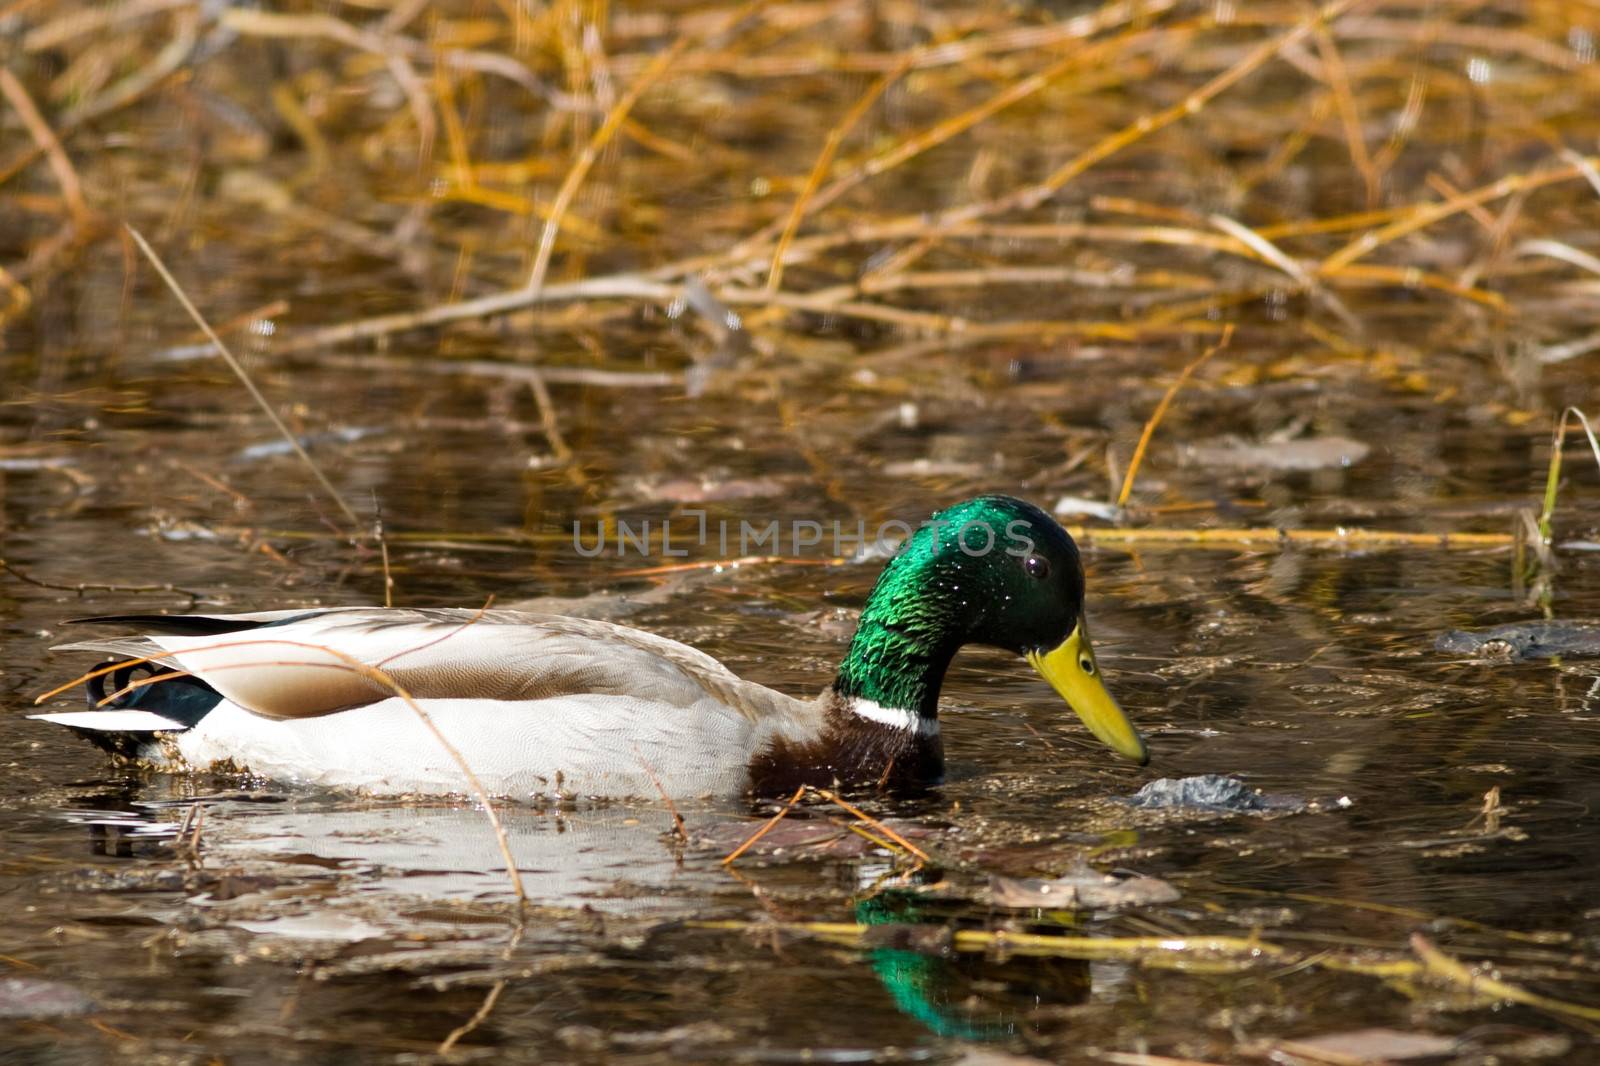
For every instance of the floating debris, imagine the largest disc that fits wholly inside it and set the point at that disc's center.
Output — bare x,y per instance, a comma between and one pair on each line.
1524,640
1082,889
273,448
1072,506
1368,1045
1211,792
33,997
1309,453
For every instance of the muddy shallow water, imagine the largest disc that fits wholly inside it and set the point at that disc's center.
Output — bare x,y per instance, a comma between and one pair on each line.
311,926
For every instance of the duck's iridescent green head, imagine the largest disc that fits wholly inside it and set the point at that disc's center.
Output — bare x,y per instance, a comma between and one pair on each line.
992,570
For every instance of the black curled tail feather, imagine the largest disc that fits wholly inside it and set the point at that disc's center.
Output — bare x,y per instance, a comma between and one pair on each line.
184,698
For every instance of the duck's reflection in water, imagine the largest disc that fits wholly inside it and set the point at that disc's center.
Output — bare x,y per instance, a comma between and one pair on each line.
620,860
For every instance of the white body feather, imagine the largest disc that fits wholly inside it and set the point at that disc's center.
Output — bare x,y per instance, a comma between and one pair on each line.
582,745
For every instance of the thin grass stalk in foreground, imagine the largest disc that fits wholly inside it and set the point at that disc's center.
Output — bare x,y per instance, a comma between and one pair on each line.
1439,964
238,369
889,840
1422,216
82,587
1161,410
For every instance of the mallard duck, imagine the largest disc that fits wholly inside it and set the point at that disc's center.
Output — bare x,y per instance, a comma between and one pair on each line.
541,705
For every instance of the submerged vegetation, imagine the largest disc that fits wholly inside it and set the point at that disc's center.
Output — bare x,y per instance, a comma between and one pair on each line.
1278,303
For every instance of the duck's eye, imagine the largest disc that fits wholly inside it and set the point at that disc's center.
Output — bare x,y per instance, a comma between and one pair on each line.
1037,566
1086,664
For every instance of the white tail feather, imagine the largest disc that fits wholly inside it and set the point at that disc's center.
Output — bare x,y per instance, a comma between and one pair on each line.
112,721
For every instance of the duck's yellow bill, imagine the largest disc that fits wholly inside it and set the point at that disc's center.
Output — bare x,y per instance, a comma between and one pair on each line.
1071,670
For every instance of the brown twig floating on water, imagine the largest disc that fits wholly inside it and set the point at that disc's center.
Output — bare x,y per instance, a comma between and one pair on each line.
766,827
82,587
882,835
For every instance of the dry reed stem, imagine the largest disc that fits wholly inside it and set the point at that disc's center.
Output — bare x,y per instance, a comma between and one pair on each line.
515,372
1176,538
1552,484
93,586
383,548
244,377
1161,410
1338,79
45,139
1031,196
472,620
1423,215
1244,949
1438,964
824,161
134,86
640,285
480,1016
133,685
1351,538
656,285
615,116
253,23
490,999
679,829
909,148
1168,951
74,24
953,53
868,835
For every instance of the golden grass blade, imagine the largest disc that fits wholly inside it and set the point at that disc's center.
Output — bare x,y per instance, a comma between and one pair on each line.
1349,113
1235,537
1033,195
1552,482
614,119
1161,410
45,138
819,169
1422,216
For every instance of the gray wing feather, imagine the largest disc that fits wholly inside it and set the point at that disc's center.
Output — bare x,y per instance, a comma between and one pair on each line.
327,661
